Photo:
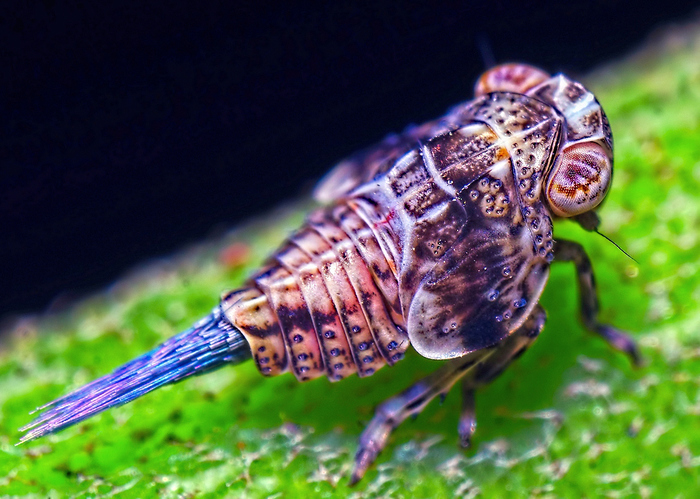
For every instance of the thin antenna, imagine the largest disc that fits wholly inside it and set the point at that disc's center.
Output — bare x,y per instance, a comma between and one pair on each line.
616,245
486,51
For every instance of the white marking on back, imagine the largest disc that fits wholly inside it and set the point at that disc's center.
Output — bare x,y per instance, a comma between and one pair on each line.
432,170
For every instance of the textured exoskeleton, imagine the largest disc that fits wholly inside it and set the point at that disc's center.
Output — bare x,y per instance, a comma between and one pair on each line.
440,238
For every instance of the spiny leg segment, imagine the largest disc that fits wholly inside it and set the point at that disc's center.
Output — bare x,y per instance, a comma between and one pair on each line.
391,413
480,367
570,251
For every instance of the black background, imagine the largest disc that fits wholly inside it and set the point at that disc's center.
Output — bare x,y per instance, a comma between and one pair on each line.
130,131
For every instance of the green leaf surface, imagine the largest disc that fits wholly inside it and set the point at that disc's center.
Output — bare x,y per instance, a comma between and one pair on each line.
571,418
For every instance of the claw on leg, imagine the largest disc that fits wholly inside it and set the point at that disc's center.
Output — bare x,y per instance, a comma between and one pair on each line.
375,436
467,420
621,341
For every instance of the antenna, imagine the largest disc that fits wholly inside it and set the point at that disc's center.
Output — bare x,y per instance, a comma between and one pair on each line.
615,244
484,45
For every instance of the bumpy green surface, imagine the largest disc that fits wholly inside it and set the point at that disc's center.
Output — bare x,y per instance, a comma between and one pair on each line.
570,418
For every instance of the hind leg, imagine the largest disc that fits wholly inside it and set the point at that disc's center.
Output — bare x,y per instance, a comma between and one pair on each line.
492,366
391,413
480,367
569,251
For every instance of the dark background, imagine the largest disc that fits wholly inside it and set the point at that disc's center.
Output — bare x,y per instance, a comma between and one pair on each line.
131,131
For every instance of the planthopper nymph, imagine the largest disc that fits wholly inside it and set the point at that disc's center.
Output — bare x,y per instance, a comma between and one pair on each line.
439,237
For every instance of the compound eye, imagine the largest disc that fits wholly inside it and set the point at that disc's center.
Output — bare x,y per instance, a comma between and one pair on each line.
518,78
579,179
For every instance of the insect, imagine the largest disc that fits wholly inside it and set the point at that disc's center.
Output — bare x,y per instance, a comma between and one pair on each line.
439,237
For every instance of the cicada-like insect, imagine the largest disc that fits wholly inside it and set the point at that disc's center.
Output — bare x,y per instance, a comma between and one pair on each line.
439,237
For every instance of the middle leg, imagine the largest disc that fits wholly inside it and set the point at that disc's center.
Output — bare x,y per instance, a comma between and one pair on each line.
489,368
480,367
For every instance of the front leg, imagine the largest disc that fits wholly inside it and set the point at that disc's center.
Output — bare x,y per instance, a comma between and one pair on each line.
570,251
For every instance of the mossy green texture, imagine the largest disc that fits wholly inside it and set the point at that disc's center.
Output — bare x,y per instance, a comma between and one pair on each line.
571,418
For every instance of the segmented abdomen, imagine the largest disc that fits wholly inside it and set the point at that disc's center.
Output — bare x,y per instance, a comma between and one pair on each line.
326,303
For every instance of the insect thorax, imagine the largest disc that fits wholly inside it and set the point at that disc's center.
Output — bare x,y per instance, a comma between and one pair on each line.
341,293
469,191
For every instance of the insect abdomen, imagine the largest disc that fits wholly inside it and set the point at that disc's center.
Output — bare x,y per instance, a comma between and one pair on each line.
326,303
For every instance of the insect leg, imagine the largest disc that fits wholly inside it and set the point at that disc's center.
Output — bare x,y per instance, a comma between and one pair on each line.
391,413
491,366
570,251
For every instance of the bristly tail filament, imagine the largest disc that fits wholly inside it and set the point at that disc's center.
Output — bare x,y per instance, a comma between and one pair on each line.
211,343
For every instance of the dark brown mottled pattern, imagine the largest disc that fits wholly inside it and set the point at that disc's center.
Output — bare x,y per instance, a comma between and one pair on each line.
330,316
443,228
453,151
375,161
283,292
362,298
366,243
314,292
332,295
455,227
377,298
250,311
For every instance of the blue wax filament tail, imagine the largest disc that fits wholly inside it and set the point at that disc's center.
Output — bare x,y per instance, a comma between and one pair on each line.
211,343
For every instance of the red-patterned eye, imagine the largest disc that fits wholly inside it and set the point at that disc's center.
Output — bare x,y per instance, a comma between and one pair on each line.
579,179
